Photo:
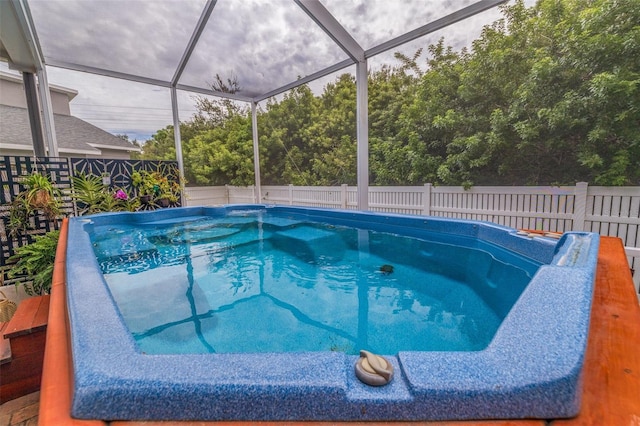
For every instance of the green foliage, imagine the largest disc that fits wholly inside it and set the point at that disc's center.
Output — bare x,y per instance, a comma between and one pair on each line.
285,139
88,191
156,185
146,183
546,95
223,154
39,195
92,196
36,261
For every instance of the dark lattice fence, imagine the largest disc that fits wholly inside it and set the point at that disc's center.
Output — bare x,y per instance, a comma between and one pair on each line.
12,169
60,171
119,171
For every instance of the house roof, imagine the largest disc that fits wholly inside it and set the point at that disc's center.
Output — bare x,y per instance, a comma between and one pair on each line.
75,136
70,93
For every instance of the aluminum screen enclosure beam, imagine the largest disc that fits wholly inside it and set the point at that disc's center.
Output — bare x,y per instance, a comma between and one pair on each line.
193,41
330,25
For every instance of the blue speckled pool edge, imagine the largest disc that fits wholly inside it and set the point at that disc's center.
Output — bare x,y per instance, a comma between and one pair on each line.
531,369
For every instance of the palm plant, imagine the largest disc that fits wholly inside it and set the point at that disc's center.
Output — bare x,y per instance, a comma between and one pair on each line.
93,196
88,192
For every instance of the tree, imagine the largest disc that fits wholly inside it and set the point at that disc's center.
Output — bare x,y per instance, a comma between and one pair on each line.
391,92
547,95
223,155
285,154
161,146
332,136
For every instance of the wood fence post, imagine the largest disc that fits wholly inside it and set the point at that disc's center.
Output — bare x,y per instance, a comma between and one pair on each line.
580,206
426,199
290,194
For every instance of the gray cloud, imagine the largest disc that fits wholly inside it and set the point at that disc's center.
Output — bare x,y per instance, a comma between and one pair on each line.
372,22
263,45
136,37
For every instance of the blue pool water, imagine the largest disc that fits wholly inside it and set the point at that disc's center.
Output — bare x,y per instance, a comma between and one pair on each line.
201,313
262,281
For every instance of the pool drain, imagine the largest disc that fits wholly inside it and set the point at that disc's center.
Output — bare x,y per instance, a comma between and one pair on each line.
373,370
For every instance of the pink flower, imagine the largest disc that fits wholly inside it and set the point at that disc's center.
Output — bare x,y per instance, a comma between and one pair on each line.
120,195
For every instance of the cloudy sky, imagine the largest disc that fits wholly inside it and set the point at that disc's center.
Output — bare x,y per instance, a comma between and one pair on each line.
264,43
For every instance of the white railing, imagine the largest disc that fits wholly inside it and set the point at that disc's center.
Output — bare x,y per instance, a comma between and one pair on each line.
610,211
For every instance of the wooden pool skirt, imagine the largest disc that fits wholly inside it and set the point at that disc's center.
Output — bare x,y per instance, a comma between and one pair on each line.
611,394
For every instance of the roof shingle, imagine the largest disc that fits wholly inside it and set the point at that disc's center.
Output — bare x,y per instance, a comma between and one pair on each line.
73,134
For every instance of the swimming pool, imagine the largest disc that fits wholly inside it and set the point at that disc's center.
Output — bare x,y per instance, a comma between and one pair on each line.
310,286
530,368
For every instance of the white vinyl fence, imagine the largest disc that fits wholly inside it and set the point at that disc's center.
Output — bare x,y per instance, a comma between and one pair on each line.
610,211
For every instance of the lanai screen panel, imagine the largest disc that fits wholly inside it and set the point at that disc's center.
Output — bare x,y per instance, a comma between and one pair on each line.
265,44
143,38
458,35
373,22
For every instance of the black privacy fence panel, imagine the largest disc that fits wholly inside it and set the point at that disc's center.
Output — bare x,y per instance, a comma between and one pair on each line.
119,171
115,173
12,169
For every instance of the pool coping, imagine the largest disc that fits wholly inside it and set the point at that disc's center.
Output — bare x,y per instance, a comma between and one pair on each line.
537,385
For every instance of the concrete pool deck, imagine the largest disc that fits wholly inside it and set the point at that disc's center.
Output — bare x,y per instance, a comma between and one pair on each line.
612,369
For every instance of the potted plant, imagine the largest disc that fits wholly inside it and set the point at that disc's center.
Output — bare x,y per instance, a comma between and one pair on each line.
168,192
156,188
93,196
39,195
88,191
163,202
118,200
147,185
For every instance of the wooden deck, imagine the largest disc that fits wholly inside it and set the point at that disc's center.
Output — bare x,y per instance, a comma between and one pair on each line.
22,411
612,365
